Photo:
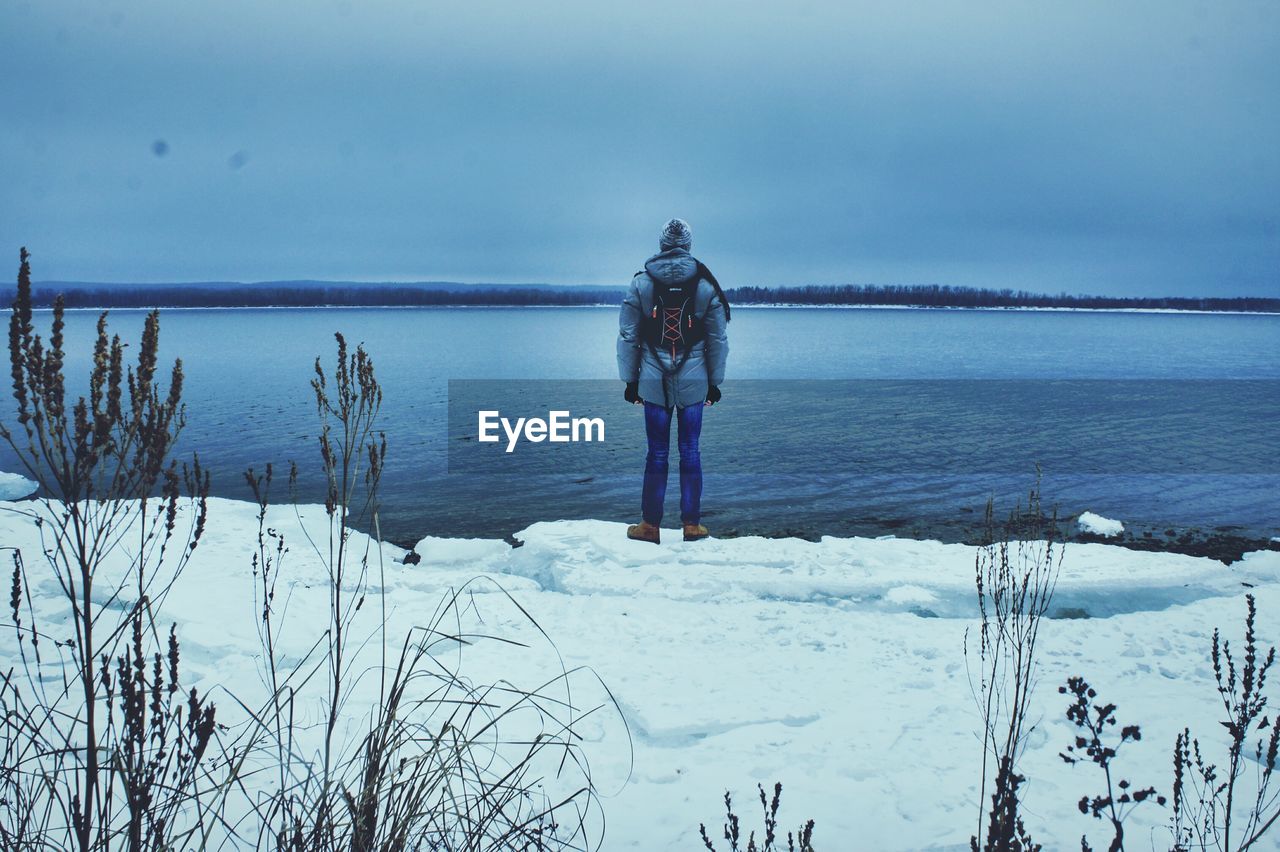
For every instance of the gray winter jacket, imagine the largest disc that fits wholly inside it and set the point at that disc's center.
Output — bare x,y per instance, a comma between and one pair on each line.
653,367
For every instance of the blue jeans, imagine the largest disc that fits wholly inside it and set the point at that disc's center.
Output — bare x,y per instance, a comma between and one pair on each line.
657,426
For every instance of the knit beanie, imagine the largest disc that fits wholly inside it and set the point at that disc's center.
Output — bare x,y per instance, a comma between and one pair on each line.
676,234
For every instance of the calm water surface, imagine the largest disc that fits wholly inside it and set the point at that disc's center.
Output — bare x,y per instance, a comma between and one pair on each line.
249,402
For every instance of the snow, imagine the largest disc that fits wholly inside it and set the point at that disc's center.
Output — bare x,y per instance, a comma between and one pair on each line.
1098,525
455,551
14,486
836,667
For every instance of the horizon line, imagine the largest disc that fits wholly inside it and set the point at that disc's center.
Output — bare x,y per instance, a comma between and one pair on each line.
439,283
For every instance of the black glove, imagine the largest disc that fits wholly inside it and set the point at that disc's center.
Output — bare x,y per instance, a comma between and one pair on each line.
713,394
632,393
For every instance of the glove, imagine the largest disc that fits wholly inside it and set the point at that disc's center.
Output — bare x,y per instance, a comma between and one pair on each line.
632,393
713,394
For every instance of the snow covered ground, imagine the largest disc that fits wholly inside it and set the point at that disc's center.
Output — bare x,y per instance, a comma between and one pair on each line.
836,667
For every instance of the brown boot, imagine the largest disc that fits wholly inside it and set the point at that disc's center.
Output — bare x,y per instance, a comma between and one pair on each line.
695,532
644,531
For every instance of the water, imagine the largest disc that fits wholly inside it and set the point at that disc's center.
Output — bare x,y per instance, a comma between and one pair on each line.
249,402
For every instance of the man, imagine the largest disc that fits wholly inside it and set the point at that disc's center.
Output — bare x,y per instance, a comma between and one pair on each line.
671,354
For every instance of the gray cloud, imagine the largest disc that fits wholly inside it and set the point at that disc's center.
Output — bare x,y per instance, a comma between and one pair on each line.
1097,147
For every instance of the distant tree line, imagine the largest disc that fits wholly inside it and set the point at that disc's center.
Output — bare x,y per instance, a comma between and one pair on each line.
426,295
291,296
942,296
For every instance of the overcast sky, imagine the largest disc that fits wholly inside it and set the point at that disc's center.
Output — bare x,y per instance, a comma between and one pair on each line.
1119,148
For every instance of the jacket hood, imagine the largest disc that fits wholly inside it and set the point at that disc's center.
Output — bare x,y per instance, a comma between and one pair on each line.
671,267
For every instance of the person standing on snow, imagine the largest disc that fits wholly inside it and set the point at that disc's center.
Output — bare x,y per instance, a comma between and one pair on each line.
672,349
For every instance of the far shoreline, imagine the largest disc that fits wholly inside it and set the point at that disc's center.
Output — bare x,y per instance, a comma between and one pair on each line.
736,306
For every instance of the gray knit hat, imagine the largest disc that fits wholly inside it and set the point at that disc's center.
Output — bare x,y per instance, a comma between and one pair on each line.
676,234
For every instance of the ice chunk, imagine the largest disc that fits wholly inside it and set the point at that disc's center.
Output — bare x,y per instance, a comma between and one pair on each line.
476,552
1098,525
14,486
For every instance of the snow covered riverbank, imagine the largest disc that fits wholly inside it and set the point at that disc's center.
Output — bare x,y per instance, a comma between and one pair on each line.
836,667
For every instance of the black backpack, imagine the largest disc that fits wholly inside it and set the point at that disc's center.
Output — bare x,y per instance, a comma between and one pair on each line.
671,323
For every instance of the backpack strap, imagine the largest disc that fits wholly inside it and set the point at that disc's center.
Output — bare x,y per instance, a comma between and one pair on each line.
724,300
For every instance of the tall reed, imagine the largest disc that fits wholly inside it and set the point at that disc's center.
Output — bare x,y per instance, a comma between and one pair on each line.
1217,806
100,749
444,762
1016,572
